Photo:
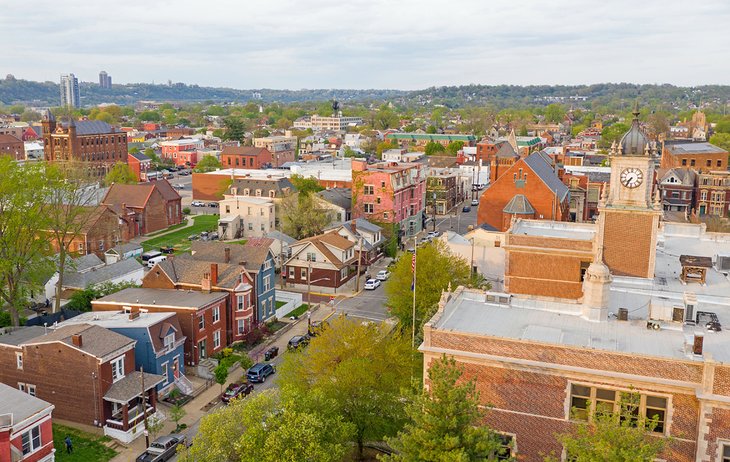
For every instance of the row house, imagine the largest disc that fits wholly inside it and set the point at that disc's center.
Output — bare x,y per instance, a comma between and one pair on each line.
442,193
26,432
147,207
246,157
677,189
182,152
214,185
199,322
367,237
245,216
326,261
713,193
390,192
87,372
283,149
584,192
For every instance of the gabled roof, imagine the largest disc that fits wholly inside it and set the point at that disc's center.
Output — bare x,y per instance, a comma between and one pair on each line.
121,249
254,256
77,280
86,263
505,150
320,242
90,127
341,197
279,236
95,340
684,175
362,224
519,205
137,195
184,269
539,163
243,151
139,156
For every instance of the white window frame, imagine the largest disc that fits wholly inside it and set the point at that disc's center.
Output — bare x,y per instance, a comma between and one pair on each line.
164,372
35,442
201,322
240,303
722,445
31,389
21,387
216,339
267,283
117,368
241,326
169,341
216,314
19,360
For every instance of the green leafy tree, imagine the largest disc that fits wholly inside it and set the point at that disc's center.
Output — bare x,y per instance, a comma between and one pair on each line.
445,421
454,147
384,146
554,113
24,266
120,173
576,129
355,371
235,129
302,216
177,413
221,375
612,133
81,299
433,148
431,130
436,268
721,140
613,436
305,185
207,164
150,116
723,126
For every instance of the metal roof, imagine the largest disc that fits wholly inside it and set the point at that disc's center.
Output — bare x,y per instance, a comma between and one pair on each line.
541,167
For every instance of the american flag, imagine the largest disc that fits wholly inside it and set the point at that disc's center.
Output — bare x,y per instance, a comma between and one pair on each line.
413,263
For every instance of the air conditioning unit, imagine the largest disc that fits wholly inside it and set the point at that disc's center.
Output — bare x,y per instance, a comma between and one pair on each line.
722,262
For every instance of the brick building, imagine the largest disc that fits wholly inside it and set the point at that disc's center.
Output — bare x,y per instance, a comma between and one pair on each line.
702,156
534,178
26,433
183,152
100,232
146,207
498,156
282,148
93,142
200,314
325,262
677,189
140,164
390,192
12,146
422,139
713,193
246,157
585,191
442,193
214,185
86,372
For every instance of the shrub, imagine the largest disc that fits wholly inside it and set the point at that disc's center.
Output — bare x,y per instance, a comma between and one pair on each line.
186,211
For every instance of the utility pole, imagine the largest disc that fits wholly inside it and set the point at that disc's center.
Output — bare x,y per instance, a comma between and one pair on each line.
433,215
144,411
359,263
309,286
413,318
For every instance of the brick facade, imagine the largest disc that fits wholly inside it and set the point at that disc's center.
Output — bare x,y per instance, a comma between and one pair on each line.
627,242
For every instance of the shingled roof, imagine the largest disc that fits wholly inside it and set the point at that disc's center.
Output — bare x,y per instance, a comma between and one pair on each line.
96,341
253,256
183,269
540,165
137,195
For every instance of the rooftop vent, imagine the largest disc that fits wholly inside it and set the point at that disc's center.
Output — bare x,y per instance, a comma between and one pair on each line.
623,314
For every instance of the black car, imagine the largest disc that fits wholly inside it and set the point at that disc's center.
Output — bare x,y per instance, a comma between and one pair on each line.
316,327
259,372
466,208
167,249
298,341
271,353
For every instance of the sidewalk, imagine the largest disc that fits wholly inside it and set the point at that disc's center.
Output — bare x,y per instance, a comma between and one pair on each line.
140,239
197,408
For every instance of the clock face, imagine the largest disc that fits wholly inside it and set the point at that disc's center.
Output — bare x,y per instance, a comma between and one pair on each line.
632,177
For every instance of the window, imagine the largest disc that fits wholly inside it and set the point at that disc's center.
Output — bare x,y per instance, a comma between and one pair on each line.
19,360
117,368
506,449
239,303
304,273
258,193
241,326
31,440
201,322
250,226
291,272
263,227
377,200
684,162
169,341
216,339
368,189
216,314
726,452
311,256
163,372
709,163
369,208
692,163
228,209
267,283
343,273
385,215
21,387
719,163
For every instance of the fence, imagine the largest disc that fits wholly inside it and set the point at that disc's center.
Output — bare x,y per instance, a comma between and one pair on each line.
293,301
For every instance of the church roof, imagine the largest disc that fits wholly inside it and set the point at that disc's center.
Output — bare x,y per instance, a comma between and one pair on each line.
519,205
540,164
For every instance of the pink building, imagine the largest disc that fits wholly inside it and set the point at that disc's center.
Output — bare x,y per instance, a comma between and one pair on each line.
390,192
182,152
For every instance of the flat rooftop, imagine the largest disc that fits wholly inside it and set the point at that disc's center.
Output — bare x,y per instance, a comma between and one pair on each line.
117,319
162,297
559,229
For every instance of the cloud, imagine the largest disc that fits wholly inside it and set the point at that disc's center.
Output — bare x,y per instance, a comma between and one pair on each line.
403,44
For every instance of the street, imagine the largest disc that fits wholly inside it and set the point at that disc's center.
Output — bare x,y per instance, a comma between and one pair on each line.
457,221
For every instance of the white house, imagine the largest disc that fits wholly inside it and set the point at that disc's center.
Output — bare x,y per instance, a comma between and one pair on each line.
245,216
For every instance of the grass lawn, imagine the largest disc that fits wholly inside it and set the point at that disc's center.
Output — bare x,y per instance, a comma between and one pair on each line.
86,446
299,311
179,239
179,225
279,304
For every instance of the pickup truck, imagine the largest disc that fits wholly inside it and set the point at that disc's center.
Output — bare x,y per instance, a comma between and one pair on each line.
162,449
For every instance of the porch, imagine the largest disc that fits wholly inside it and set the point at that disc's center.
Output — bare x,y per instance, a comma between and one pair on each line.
126,408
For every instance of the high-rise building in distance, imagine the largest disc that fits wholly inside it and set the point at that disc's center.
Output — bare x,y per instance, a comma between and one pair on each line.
105,80
69,91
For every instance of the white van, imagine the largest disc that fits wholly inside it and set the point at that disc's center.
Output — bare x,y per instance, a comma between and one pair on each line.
153,261
147,256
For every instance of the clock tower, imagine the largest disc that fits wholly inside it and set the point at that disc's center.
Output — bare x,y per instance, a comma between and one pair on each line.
628,219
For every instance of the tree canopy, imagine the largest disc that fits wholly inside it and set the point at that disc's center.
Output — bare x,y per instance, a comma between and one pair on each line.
302,216
305,185
120,173
433,148
208,164
454,147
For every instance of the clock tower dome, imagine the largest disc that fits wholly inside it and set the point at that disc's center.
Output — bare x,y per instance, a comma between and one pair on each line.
628,219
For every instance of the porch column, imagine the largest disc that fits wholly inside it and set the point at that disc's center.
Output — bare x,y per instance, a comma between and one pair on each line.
153,398
125,417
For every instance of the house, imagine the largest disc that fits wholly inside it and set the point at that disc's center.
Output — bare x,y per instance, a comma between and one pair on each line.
183,152
245,216
201,317
258,261
390,193
443,192
280,246
100,229
140,164
146,207
122,252
326,261
282,148
713,193
246,157
214,185
339,201
85,371
367,237
129,270
26,433
699,156
160,342
676,188
530,188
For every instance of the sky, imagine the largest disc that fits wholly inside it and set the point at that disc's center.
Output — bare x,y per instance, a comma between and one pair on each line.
403,44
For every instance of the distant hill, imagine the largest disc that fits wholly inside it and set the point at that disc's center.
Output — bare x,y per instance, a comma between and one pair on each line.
15,91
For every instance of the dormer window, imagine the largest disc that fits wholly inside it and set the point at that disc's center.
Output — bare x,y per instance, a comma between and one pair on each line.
169,341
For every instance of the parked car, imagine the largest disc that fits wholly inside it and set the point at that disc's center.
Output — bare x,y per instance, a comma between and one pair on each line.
204,236
298,341
315,327
475,202
168,249
382,275
259,372
433,234
235,390
271,353
184,173
372,284
193,237
213,204
163,448
213,236
466,209
197,204
179,186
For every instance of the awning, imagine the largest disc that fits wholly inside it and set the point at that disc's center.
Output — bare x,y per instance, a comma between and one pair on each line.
130,387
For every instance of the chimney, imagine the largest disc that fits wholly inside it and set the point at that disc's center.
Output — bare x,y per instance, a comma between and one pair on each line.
353,225
242,263
213,274
227,258
76,340
698,343
134,315
205,283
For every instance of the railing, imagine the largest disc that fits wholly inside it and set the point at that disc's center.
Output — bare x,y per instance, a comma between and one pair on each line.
134,416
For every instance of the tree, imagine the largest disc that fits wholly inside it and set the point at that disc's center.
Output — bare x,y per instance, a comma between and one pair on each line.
384,146
24,262
721,140
235,129
445,421
302,216
150,116
207,164
454,147
436,268
353,370
221,375
81,299
554,113
615,436
120,173
433,148
431,130
612,133
177,412
305,185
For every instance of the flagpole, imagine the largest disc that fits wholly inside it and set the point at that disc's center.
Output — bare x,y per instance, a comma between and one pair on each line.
413,319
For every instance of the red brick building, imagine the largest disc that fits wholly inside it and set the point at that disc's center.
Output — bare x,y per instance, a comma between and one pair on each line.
26,433
325,262
713,193
499,156
12,146
530,188
202,315
245,157
101,231
140,164
146,207
700,156
93,142
183,152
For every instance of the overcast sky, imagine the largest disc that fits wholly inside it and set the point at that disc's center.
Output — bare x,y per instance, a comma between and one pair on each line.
400,44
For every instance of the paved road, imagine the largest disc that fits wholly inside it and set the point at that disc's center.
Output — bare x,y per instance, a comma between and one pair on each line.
458,220
369,304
